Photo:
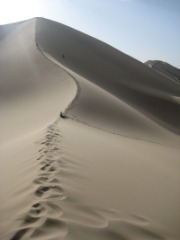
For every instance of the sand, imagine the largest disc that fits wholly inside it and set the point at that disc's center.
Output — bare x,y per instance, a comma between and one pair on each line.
165,69
110,168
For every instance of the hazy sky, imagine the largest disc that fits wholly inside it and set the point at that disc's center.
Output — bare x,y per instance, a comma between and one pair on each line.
144,29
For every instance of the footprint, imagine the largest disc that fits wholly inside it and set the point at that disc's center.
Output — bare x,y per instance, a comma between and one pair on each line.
45,167
49,136
30,219
36,210
53,209
36,205
44,174
55,149
54,180
41,190
49,161
40,150
19,234
44,162
52,169
40,180
57,188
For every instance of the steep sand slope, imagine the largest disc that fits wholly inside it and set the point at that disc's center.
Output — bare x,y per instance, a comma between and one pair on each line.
33,90
70,180
115,72
96,107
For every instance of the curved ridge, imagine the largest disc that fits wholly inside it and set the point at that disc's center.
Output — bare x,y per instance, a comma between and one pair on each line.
61,66
127,104
66,178
30,84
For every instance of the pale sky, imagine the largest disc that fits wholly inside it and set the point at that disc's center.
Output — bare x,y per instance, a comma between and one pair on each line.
143,29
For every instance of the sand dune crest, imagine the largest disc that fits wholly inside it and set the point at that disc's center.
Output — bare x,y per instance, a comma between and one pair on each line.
89,139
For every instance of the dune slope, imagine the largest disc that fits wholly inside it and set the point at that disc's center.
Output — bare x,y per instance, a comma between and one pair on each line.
31,85
112,70
165,69
109,169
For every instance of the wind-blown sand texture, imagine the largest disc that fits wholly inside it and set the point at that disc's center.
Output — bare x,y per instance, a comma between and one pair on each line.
111,168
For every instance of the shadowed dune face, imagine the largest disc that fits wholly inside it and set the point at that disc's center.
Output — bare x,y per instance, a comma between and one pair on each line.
63,179
124,77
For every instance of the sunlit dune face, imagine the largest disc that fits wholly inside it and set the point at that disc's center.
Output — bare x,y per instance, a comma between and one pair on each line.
17,10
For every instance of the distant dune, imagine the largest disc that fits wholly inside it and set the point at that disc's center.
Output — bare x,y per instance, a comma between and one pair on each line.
165,69
89,138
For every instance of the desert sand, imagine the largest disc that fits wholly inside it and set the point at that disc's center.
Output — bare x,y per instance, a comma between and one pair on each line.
165,69
89,139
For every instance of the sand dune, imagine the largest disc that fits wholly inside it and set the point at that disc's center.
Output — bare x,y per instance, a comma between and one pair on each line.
30,88
165,69
115,72
110,169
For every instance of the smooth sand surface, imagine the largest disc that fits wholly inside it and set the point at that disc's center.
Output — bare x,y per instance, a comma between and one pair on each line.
111,168
165,69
